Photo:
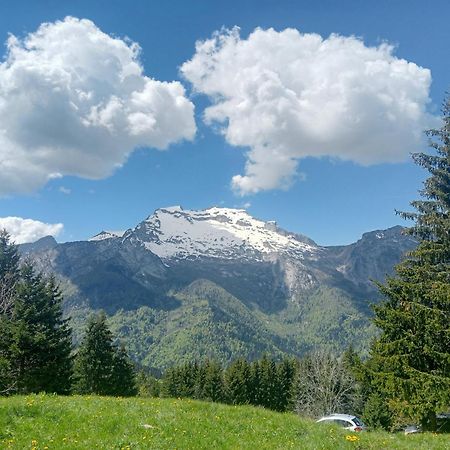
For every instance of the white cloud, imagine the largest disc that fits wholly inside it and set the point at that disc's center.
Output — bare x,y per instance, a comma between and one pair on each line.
28,230
65,190
75,101
287,95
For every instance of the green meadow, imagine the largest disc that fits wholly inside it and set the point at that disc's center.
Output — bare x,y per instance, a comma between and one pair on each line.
42,422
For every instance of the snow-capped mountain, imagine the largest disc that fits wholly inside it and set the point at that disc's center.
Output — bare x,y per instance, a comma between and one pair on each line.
216,232
107,235
184,284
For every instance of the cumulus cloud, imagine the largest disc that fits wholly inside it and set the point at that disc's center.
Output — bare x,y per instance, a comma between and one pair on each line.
287,95
75,101
28,230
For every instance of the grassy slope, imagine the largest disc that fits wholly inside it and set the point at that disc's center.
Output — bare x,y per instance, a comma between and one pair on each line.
111,423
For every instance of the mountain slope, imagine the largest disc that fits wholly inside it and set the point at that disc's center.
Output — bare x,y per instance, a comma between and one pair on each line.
188,284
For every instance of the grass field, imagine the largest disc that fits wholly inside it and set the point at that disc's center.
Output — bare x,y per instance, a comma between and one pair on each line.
50,422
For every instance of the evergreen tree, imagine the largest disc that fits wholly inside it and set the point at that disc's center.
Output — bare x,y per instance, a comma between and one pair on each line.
35,340
100,367
169,383
238,382
412,355
200,381
147,384
41,339
255,393
123,375
268,383
286,371
94,362
213,388
187,378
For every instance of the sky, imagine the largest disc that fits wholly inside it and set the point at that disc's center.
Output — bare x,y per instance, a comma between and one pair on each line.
303,112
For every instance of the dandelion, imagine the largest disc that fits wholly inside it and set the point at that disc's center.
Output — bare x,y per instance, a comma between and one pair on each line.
351,438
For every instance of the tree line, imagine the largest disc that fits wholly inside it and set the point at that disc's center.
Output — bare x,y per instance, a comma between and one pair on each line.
317,384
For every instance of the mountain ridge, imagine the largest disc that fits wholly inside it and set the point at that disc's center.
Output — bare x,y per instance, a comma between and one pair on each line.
181,277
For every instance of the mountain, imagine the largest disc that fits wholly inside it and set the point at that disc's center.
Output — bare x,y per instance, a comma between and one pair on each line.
218,282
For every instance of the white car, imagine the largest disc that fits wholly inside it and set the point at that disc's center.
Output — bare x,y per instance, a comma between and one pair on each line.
346,421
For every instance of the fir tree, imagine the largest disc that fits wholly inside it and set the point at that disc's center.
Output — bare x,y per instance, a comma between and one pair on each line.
255,393
268,383
182,381
412,355
147,384
94,363
286,371
213,388
238,382
200,381
100,367
169,383
123,375
40,347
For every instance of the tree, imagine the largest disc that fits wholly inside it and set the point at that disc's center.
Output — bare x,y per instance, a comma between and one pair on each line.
41,341
148,385
238,382
286,371
323,385
213,388
123,375
411,358
9,275
268,383
100,368
35,342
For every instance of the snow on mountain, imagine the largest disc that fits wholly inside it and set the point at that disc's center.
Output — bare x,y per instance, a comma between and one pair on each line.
107,235
216,232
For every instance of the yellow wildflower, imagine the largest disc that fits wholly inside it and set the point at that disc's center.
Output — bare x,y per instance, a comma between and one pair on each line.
351,438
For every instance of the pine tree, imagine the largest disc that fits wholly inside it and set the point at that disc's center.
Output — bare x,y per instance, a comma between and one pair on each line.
123,374
255,393
268,384
412,355
213,388
238,382
185,381
35,340
200,381
41,339
148,385
286,371
100,367
94,362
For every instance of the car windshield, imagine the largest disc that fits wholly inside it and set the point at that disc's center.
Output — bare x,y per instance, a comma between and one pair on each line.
358,422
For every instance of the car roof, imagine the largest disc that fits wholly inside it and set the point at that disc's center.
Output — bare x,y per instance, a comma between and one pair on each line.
338,417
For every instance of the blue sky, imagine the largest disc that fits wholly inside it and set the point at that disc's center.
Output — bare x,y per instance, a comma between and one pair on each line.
331,200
